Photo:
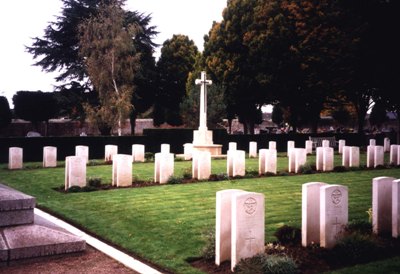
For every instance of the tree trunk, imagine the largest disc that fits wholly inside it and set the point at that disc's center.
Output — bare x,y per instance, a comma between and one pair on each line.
230,126
132,121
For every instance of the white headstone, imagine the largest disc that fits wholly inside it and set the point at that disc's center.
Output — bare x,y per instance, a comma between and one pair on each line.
382,205
393,154
342,143
223,225
138,153
109,152
262,155
354,158
49,156
75,171
248,232
396,208
378,156
122,170
292,159
290,145
164,167
82,151
310,206
319,164
325,143
372,142
309,144
253,150
386,144
346,156
271,161
187,151
165,148
327,161
232,146
15,156
301,158
334,214
370,156
201,165
239,163
272,145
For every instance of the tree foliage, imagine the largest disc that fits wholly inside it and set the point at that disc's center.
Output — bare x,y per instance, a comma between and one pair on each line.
35,106
5,112
178,56
111,62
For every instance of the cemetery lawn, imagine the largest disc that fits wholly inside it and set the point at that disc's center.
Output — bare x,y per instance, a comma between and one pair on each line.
165,224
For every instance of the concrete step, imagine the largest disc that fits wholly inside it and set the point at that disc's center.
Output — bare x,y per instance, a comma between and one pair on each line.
16,208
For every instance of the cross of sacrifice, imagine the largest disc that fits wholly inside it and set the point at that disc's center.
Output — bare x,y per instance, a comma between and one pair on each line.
203,82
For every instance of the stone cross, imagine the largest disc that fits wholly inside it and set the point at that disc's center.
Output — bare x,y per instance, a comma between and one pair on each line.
203,82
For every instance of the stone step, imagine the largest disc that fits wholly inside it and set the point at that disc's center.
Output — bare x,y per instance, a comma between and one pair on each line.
36,240
16,208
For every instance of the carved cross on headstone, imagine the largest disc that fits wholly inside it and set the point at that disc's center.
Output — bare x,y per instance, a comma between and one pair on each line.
337,225
203,82
250,238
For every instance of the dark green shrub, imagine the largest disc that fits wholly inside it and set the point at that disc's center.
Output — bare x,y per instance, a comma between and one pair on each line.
74,189
288,235
354,248
174,180
251,173
187,174
219,177
306,169
94,182
208,251
262,263
339,169
149,156
88,188
357,226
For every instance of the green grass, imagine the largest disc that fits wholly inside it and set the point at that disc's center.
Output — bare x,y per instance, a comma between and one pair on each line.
164,224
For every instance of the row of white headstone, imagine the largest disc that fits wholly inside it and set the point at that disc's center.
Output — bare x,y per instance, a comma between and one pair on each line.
240,217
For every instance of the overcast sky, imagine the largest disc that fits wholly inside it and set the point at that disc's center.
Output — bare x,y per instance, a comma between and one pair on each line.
21,20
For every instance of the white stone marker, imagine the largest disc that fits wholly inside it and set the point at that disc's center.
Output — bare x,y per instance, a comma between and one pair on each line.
325,143
248,227
319,162
82,151
342,143
327,159
164,167
15,156
396,208
370,156
49,156
309,144
75,171
138,153
290,145
378,156
187,151
382,205
393,154
334,206
253,150
223,224
267,161
109,152
201,165
310,203
300,158
372,142
292,159
354,159
232,146
239,163
272,145
122,170
165,148
386,144
346,156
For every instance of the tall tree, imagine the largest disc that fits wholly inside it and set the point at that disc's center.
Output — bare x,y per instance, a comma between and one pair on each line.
5,112
111,61
178,56
35,107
